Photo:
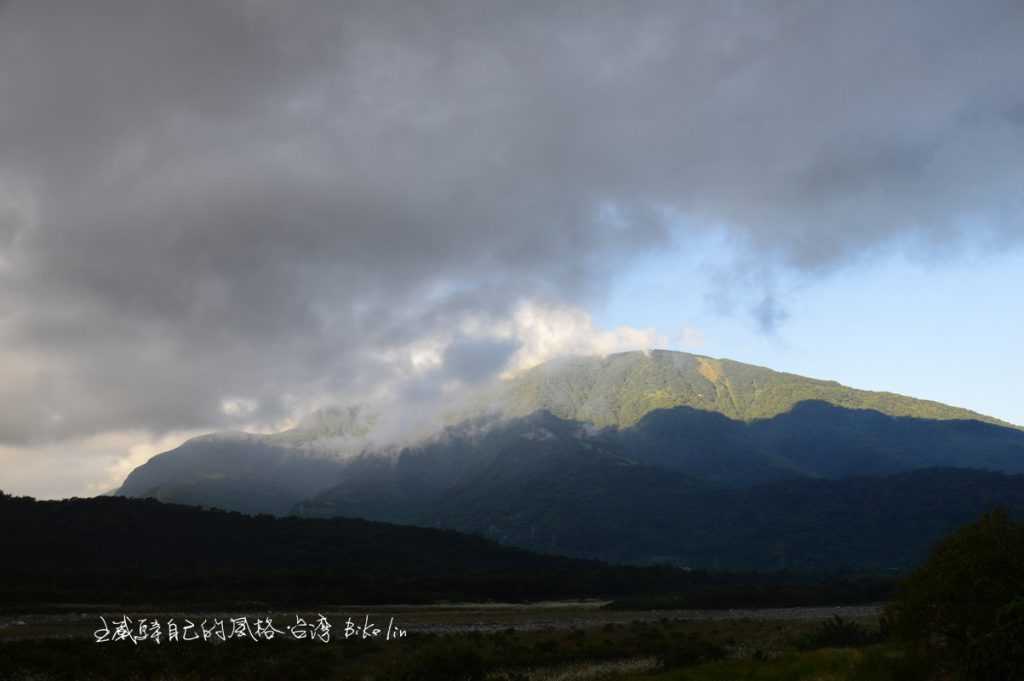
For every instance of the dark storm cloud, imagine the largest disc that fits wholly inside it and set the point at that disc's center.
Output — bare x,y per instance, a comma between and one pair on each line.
201,200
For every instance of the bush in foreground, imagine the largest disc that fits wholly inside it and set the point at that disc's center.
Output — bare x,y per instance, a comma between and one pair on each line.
965,606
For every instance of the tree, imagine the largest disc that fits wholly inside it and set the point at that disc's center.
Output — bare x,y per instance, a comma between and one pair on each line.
964,608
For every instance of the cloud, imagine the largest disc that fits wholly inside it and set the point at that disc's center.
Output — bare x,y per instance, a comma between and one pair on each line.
473,360
768,314
252,204
546,332
81,466
690,338
434,377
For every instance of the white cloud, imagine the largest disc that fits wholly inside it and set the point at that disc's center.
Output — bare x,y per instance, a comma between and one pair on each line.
83,466
542,331
548,331
690,338
238,406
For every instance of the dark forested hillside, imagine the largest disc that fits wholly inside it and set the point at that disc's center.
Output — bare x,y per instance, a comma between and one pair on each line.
110,550
816,439
116,550
622,511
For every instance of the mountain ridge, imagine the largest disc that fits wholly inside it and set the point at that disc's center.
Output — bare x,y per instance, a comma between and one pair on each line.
620,388
540,458
641,494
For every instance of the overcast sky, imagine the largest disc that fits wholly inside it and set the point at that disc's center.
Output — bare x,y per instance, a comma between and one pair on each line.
224,213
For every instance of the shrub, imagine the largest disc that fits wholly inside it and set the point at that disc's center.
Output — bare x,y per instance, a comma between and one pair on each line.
838,633
965,606
689,650
444,660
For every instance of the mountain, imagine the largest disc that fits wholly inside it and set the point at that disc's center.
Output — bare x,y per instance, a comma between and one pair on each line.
620,389
255,473
553,485
596,457
638,514
816,439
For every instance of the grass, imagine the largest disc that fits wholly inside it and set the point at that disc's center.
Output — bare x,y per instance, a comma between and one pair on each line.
872,663
657,649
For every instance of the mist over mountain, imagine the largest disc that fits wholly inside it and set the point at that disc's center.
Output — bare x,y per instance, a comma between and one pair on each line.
633,457
255,473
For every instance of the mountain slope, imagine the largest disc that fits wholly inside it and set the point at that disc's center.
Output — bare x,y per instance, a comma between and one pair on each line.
848,488
620,389
625,512
254,473
503,458
818,440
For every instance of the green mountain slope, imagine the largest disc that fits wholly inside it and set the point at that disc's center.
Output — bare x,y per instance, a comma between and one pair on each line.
620,389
